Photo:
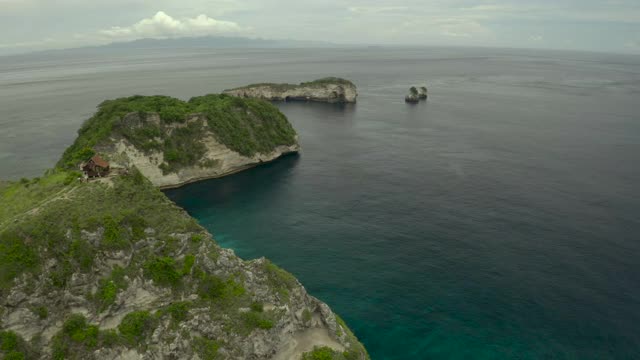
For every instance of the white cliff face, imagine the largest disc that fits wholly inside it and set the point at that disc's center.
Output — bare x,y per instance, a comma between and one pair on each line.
217,161
324,92
221,161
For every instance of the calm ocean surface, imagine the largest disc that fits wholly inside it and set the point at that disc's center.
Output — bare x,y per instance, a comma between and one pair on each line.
501,219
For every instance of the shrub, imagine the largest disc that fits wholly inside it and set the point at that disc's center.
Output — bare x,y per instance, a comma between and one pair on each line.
162,271
178,311
254,320
106,295
211,287
8,341
321,353
12,346
205,348
83,254
14,355
71,177
306,315
136,326
15,258
76,338
257,307
108,288
189,260
113,237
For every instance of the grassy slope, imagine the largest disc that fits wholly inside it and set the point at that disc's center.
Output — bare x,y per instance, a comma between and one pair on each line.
43,219
33,232
248,126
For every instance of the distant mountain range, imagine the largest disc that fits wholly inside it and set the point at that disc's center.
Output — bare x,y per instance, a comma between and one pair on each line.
211,42
215,42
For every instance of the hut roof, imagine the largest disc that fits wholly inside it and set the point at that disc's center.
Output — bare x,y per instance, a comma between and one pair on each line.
99,161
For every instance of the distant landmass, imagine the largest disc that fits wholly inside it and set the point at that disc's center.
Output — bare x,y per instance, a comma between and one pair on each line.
216,42
212,42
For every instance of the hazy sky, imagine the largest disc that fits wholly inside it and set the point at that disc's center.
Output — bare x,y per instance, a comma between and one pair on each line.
601,25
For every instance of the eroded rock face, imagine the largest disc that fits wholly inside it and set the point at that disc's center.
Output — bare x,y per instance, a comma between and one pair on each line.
300,322
217,161
112,269
338,91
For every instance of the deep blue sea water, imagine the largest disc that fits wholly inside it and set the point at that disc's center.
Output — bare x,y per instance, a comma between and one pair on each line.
500,219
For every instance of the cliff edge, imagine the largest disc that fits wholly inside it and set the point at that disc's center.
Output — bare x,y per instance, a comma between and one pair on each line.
174,142
331,90
110,268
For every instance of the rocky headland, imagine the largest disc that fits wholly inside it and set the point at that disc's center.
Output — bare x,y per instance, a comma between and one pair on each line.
111,269
331,90
174,142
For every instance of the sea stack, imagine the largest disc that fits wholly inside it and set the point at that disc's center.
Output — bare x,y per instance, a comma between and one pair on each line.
422,93
413,96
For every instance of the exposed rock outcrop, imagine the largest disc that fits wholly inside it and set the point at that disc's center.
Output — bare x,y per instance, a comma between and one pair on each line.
422,93
331,90
173,142
112,269
416,94
159,294
413,96
216,161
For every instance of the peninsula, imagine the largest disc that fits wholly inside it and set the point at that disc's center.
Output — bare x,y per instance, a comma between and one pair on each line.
105,266
174,142
330,89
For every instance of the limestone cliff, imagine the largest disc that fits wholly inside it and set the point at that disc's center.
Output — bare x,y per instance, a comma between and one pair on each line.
174,142
332,90
217,159
112,269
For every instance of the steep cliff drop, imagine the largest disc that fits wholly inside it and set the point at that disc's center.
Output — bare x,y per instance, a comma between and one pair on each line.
107,267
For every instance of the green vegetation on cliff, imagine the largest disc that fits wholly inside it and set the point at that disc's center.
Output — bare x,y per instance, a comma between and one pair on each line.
46,219
248,126
13,347
327,353
91,240
315,83
121,267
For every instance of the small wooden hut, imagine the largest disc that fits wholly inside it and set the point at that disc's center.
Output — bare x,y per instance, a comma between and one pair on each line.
96,167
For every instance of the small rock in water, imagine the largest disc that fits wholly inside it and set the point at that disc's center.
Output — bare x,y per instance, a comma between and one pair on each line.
422,93
413,96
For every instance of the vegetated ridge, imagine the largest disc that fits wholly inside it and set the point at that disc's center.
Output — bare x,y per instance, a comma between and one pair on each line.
112,269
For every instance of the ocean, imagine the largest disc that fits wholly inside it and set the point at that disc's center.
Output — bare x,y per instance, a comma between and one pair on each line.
497,220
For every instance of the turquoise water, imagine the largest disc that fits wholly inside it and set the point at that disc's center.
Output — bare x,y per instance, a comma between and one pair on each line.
498,220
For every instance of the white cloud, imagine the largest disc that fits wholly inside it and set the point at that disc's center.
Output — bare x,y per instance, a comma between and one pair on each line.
162,25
